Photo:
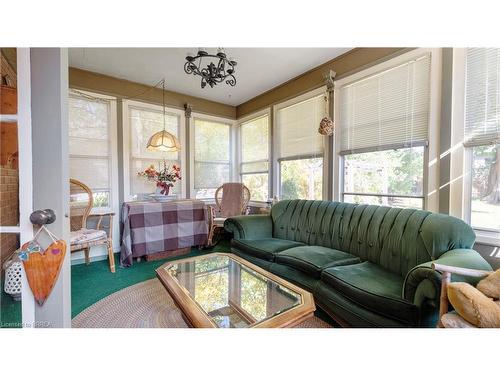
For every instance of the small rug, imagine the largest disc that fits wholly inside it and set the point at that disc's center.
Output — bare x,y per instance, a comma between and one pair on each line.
145,305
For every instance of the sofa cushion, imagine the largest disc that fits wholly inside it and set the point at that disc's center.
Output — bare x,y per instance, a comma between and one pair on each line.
374,288
264,248
313,259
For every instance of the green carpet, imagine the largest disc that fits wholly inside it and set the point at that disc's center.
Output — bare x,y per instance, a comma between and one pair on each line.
91,283
10,311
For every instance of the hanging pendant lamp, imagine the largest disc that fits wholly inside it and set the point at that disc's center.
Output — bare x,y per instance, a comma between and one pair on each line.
163,140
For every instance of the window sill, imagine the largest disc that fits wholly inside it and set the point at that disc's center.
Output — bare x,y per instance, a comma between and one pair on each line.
487,238
258,204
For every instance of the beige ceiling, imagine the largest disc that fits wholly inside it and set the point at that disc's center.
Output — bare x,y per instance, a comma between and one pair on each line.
258,69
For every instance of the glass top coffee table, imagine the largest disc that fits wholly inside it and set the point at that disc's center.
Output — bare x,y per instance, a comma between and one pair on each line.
225,291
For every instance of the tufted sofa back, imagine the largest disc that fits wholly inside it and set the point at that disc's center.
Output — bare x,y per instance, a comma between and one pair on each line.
394,238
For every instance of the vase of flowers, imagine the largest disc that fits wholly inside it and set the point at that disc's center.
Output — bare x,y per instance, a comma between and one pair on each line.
164,177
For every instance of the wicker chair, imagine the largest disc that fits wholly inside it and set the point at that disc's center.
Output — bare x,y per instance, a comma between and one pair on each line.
83,237
225,196
450,319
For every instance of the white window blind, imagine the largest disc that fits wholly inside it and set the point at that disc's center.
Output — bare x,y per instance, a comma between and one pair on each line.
89,145
254,167
255,145
387,110
482,96
144,122
297,127
211,154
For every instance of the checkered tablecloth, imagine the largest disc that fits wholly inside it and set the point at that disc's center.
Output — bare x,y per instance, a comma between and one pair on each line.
151,227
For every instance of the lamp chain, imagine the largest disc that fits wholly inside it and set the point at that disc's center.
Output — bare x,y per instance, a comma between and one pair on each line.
163,102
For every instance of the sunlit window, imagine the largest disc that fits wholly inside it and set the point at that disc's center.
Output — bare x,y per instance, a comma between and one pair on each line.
482,135
389,178
301,179
254,167
212,162
299,149
383,132
144,122
89,146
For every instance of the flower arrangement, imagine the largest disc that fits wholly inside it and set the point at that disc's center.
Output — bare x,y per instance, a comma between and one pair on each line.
164,177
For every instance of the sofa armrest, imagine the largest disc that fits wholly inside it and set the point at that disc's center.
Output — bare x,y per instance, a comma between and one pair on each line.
249,226
423,283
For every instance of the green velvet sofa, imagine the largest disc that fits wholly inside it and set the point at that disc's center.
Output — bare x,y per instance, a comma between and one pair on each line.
366,265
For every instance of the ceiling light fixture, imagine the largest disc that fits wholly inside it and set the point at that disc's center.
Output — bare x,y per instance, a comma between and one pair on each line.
163,140
219,67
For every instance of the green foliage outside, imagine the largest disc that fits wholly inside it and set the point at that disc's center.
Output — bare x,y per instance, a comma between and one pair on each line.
253,295
258,186
101,199
211,156
211,290
397,172
302,179
255,156
485,205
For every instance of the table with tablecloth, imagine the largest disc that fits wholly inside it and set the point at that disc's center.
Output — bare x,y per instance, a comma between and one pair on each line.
151,227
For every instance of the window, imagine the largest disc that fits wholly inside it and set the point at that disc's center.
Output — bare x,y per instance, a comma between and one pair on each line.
300,149
389,178
144,122
384,121
212,156
482,135
254,167
89,146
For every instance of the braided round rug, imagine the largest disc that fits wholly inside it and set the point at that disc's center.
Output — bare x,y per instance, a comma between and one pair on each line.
145,305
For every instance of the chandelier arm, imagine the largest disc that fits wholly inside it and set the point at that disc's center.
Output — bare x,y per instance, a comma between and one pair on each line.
231,81
220,65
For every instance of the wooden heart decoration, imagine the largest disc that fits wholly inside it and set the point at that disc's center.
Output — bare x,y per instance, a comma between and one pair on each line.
42,269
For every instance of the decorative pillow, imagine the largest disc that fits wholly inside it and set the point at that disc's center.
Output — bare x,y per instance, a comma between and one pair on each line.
490,285
474,306
86,235
453,320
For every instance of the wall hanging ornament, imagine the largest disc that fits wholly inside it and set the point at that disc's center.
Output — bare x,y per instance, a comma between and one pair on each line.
42,266
326,125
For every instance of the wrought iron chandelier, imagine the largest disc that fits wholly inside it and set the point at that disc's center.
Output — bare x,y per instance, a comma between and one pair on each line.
219,68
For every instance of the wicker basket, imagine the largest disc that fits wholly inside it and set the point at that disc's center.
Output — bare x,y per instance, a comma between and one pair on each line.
12,284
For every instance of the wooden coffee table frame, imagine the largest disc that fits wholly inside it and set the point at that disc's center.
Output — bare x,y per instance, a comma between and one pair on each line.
196,317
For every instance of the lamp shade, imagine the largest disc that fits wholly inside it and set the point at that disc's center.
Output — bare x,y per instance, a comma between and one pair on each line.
163,141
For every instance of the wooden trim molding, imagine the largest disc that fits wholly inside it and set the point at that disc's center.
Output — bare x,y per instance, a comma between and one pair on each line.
345,64
121,88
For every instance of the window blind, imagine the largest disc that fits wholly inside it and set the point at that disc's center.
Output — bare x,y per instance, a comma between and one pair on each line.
387,110
88,136
298,129
211,154
144,122
482,96
255,145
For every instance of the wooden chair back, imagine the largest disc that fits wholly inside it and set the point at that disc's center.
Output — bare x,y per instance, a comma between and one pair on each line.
80,204
230,199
